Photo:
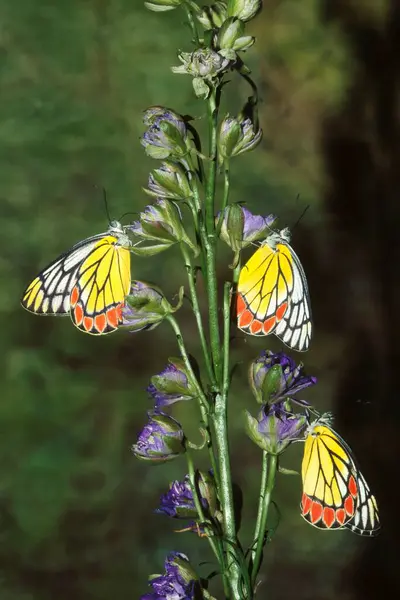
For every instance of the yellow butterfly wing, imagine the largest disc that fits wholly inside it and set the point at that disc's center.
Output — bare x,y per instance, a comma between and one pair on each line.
89,282
103,282
272,294
335,493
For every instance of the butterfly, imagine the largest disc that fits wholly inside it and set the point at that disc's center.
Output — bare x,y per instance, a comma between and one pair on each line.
272,293
335,493
89,282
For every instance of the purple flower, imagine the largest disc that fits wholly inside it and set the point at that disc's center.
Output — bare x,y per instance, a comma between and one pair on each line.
275,427
275,377
161,225
178,502
166,134
170,180
241,230
179,582
172,385
145,307
160,440
237,135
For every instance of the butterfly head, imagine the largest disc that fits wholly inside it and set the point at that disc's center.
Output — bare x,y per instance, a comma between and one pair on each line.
277,237
325,419
116,228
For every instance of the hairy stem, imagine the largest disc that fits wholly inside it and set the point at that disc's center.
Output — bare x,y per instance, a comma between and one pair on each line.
202,400
197,313
213,541
209,240
263,484
265,500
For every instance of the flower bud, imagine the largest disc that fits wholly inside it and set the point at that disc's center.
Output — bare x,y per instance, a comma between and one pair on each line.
166,135
235,136
212,17
255,227
230,37
178,502
172,385
146,306
203,63
179,582
169,181
161,439
275,428
161,225
232,225
162,5
274,377
245,10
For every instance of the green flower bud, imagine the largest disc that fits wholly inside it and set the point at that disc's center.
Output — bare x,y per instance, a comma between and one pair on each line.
166,135
203,63
161,224
232,29
162,5
212,17
245,10
232,226
169,181
146,306
235,136
264,382
275,427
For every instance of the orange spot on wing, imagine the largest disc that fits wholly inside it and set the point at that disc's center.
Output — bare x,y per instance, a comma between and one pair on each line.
306,504
240,304
328,516
256,326
118,310
112,317
88,323
349,505
74,296
268,325
353,487
316,512
281,311
100,322
78,314
245,319
340,515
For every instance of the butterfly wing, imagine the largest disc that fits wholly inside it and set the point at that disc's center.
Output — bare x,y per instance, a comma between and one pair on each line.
101,285
335,493
49,293
272,296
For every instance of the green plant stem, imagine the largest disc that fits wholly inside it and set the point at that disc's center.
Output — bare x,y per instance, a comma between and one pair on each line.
263,484
209,239
202,398
192,24
213,541
197,313
203,403
225,199
265,501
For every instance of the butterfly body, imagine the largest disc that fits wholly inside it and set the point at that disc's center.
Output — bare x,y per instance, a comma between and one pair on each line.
89,282
272,294
335,493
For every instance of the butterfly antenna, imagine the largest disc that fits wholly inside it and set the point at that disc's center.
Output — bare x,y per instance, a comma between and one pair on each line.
127,213
302,214
106,205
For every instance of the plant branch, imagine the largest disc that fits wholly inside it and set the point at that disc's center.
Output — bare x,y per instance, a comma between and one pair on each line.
265,501
197,313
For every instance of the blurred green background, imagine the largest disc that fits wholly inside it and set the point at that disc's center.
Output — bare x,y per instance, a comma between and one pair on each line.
76,509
